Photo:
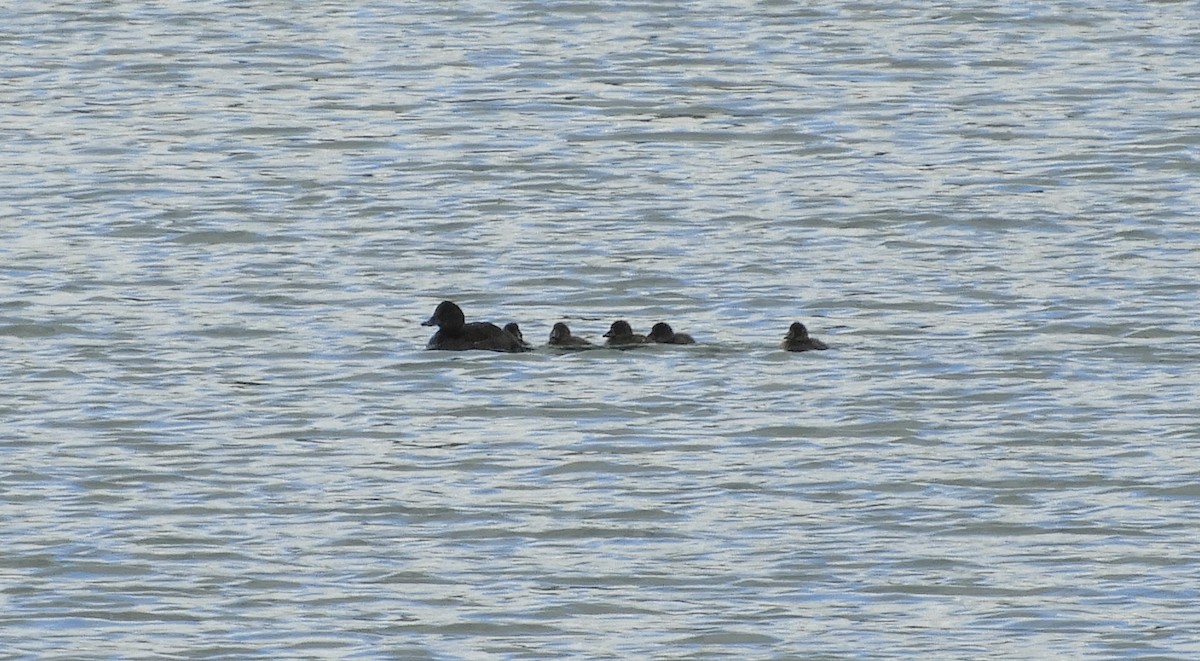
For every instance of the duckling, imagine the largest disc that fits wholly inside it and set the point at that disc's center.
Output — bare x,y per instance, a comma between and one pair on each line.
621,334
513,329
797,339
560,336
662,333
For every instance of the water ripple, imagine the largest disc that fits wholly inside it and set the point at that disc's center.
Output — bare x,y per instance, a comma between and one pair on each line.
222,436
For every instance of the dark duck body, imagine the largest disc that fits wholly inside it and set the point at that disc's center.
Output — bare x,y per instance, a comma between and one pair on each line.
621,334
560,336
455,334
797,339
662,333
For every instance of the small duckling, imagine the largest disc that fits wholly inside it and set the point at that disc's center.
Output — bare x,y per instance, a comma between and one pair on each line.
621,334
662,333
513,329
560,336
797,339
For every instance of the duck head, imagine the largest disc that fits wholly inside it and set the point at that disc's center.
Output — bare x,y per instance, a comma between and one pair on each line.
447,315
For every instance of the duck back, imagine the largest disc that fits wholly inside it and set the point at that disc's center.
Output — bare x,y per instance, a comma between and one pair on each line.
477,335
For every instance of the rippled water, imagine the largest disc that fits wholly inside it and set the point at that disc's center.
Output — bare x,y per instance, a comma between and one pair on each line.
223,222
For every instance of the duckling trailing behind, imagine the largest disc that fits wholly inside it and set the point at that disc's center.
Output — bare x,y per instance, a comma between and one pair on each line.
662,333
560,336
797,339
621,334
513,329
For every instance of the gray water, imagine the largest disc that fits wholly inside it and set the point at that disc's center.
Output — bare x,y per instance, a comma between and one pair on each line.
221,224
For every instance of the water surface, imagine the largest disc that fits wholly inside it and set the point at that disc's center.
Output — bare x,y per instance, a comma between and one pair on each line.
220,227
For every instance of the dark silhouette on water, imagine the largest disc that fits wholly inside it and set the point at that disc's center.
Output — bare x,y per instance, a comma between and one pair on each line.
513,329
454,334
560,336
621,334
662,333
797,339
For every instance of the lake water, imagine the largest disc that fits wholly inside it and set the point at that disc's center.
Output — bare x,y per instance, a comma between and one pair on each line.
221,224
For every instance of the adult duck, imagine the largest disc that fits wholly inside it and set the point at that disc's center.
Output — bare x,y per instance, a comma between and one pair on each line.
455,334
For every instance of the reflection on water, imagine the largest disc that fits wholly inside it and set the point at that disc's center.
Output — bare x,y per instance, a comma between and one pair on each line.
225,224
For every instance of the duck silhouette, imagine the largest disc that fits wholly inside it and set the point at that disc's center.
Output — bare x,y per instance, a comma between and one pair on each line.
455,334
797,339
662,333
513,329
621,334
560,336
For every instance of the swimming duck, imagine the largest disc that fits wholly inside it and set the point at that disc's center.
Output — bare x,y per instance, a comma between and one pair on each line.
454,334
513,329
797,339
560,336
662,333
621,334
